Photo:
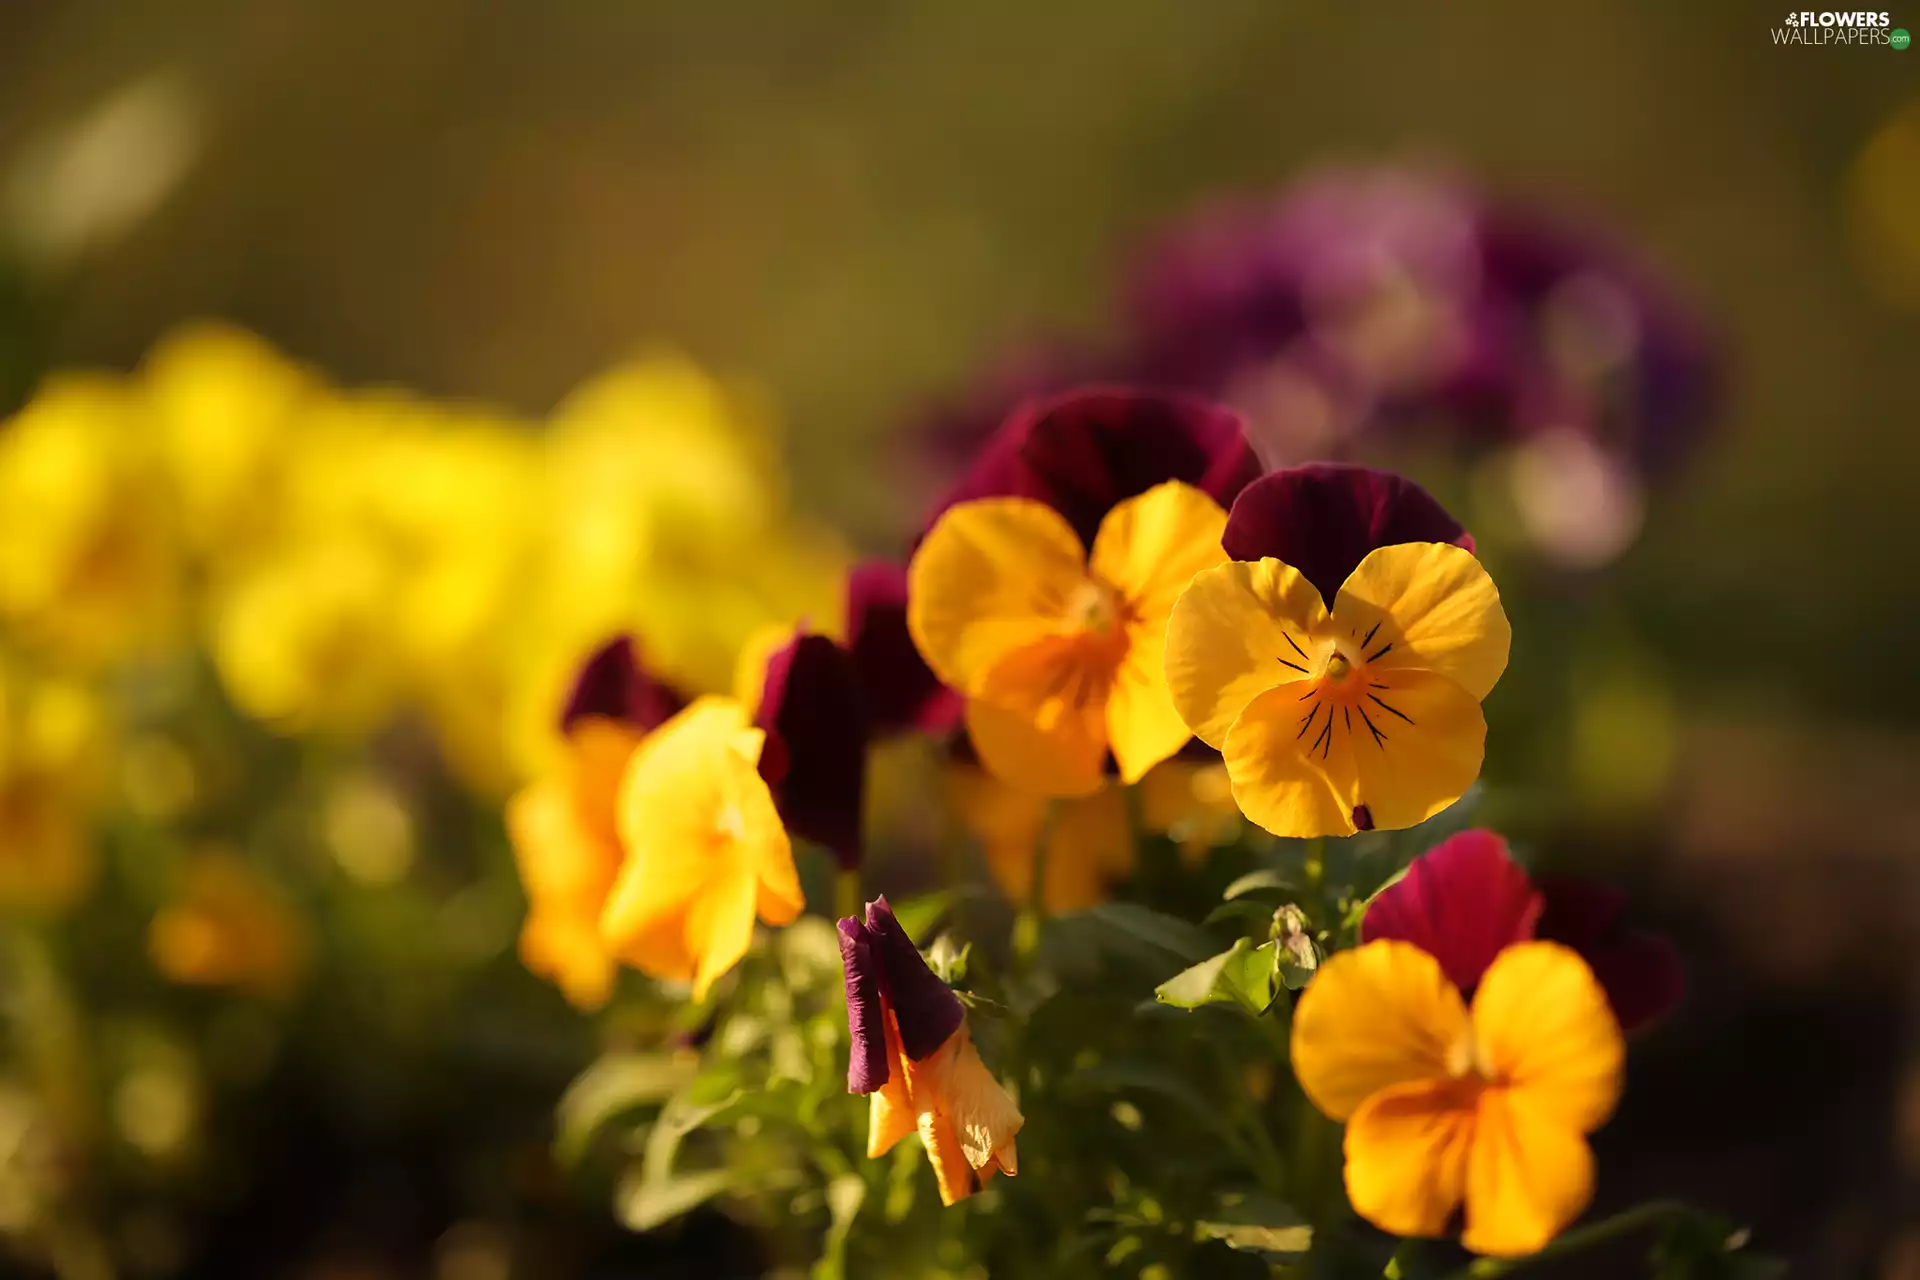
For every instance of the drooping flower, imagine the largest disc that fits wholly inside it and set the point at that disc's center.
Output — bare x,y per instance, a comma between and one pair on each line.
815,759
1448,1104
705,850
564,824
1466,899
1059,652
913,1054
1339,659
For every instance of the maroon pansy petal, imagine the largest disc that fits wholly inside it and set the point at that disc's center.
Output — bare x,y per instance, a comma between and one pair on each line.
901,692
1641,972
816,723
867,1061
1325,517
924,1008
1086,451
613,684
1460,902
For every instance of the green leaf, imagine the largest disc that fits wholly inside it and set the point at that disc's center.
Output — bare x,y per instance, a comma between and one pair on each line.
642,1203
1243,975
614,1085
919,914
1169,935
1258,1223
1246,911
1265,880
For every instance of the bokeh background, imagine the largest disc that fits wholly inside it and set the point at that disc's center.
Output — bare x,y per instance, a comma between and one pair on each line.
848,212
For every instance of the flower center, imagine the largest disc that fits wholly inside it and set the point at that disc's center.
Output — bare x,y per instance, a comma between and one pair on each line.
1463,1058
1094,606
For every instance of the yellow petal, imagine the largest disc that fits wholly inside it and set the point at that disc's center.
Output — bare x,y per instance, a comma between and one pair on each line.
1291,773
705,848
891,1116
1376,1016
1546,1033
1406,1150
1143,726
1150,546
1435,606
1039,721
566,949
983,1116
992,576
1528,1176
1417,742
954,1176
1235,632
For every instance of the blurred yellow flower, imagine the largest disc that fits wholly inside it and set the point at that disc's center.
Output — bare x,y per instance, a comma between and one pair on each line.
89,565
1089,843
225,407
706,851
52,749
1190,801
229,926
567,847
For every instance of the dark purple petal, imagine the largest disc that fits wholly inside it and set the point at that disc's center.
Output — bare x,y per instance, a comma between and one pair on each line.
924,1008
867,1061
1086,451
1324,518
816,723
1641,972
1460,902
613,684
902,694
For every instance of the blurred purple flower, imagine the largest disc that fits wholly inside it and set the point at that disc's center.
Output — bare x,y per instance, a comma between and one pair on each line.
815,759
614,685
901,692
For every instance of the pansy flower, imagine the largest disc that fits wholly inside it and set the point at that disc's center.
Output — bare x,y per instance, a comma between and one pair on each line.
1466,899
1339,659
1058,650
1448,1104
913,1054
705,849
562,824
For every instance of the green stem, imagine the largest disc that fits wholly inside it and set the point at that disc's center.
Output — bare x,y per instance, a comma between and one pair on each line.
1652,1213
1026,926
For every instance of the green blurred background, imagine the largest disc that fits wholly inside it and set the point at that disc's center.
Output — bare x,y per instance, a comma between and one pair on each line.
856,204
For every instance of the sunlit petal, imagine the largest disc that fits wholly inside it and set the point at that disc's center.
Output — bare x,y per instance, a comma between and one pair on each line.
1428,606
993,576
1379,1015
1290,763
1238,630
1545,1033
1529,1175
1406,1151
1039,721
1417,743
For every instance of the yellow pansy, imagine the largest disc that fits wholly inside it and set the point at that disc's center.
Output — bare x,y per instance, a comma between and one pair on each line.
1448,1105
1365,714
1058,652
705,850
1089,839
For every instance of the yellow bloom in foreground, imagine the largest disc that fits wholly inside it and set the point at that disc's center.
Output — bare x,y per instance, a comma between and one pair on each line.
1489,1107
1060,653
1333,722
567,848
706,851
